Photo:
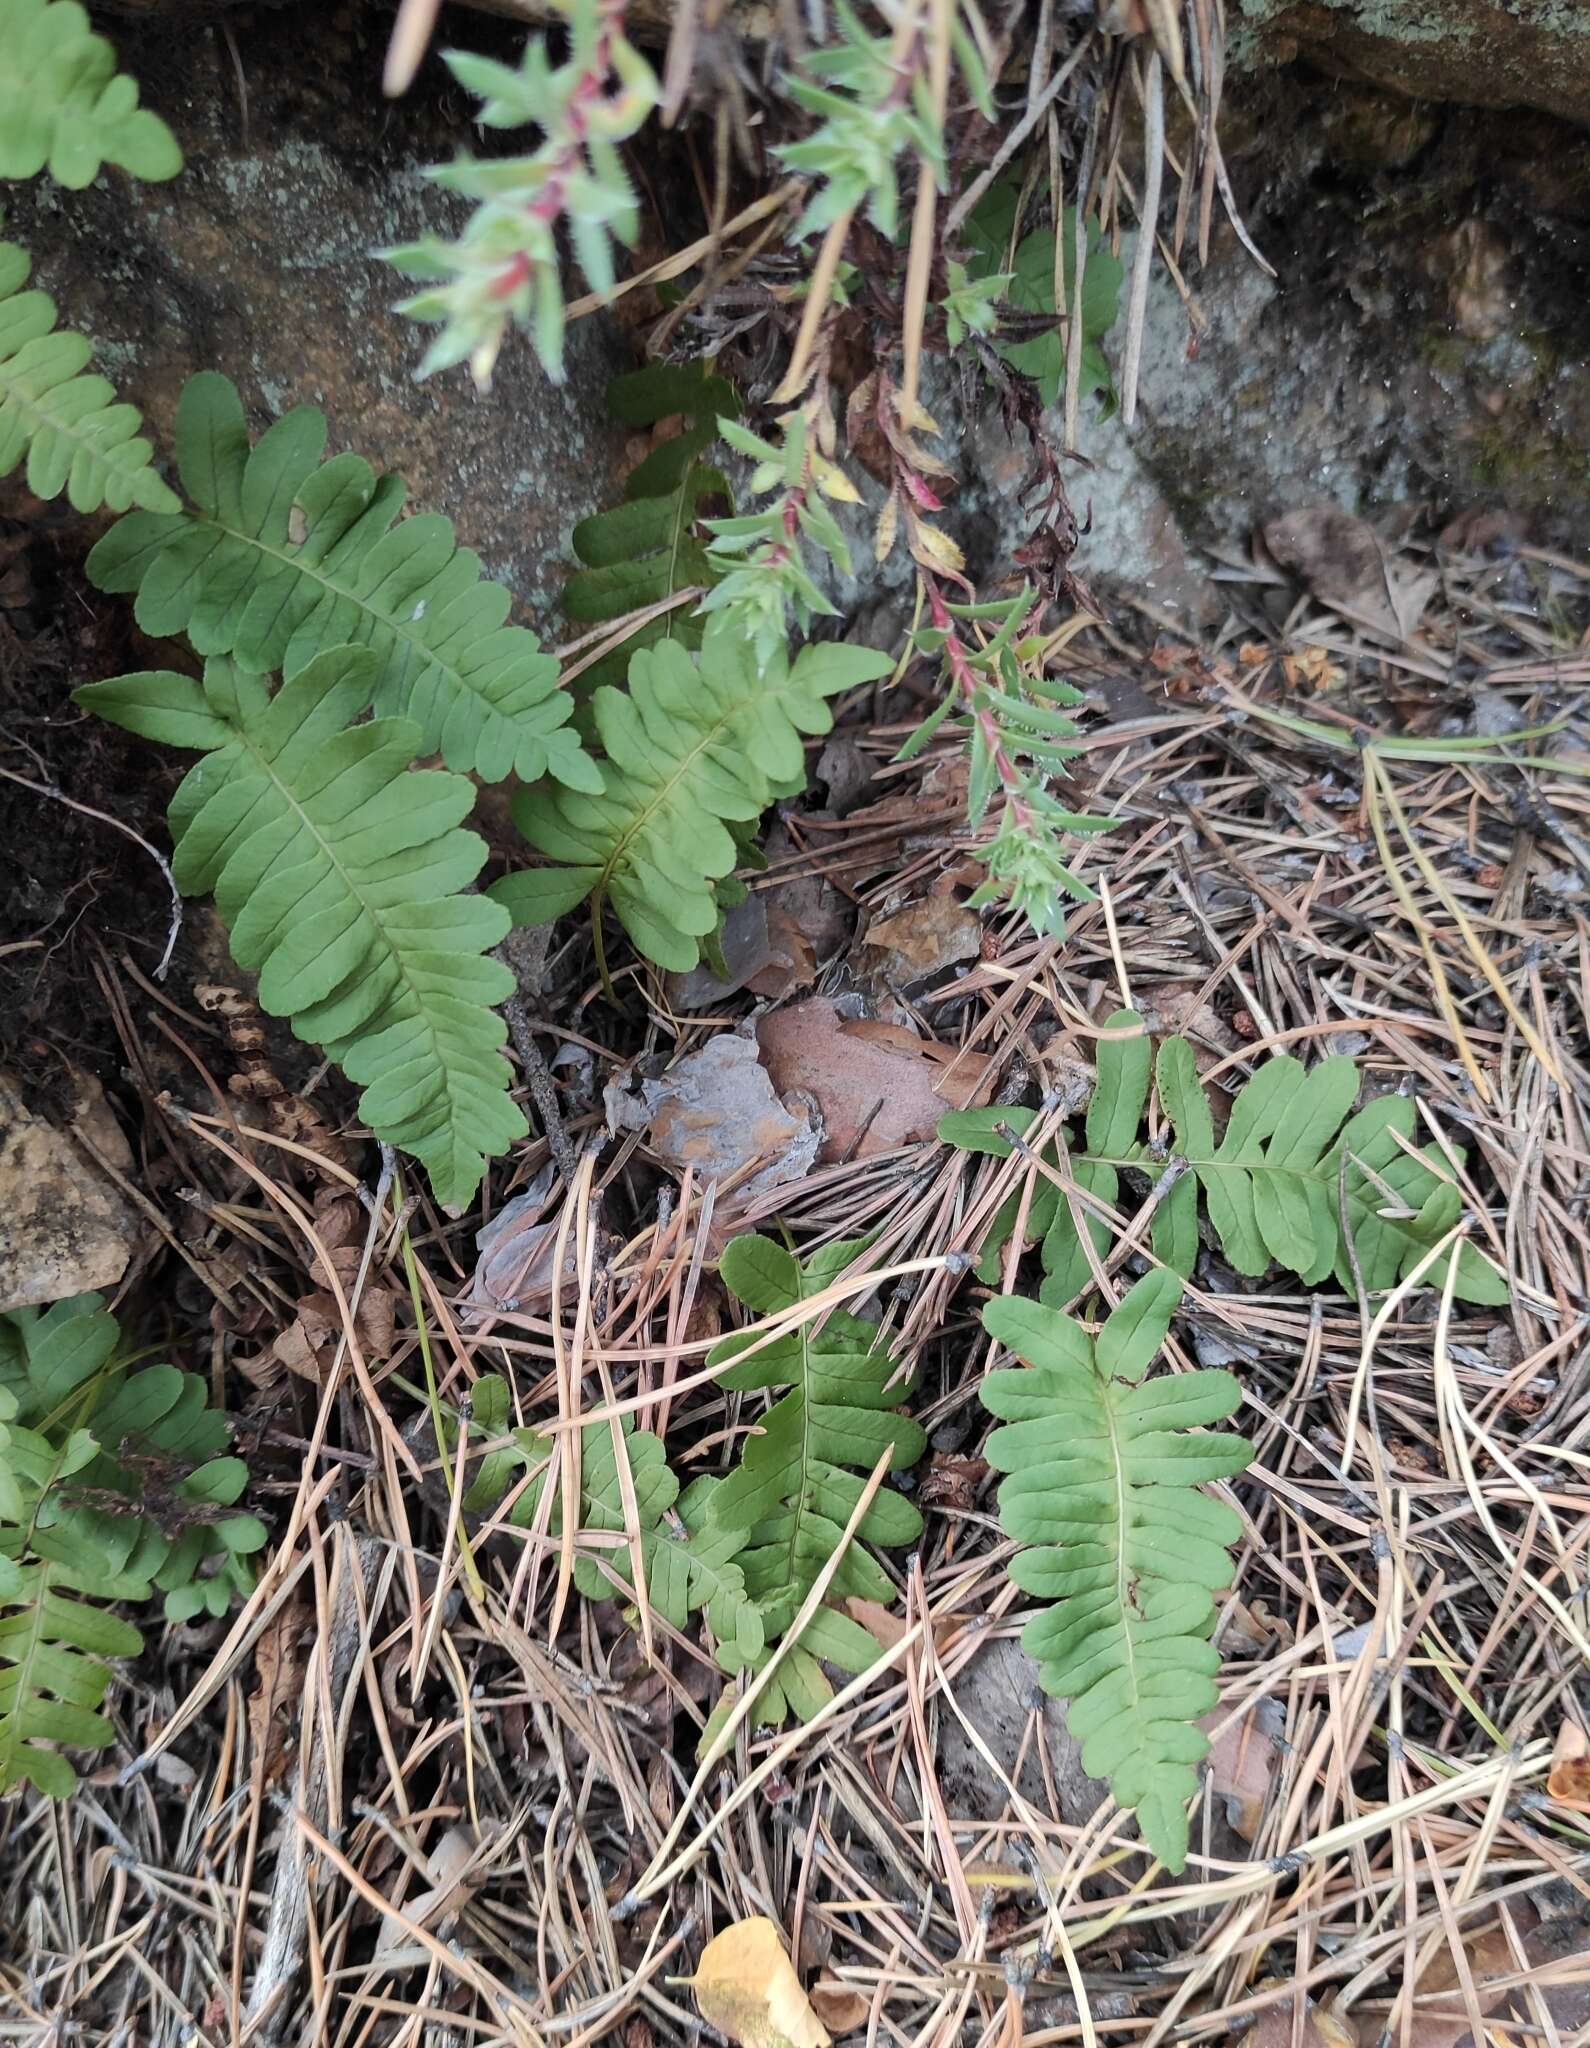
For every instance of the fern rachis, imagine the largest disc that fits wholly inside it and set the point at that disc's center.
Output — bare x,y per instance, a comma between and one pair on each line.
341,875
1104,1479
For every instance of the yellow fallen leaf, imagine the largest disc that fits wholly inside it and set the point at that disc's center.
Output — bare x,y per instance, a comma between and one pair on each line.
746,1986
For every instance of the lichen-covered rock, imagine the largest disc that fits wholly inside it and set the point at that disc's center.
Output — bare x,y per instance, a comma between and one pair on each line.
258,261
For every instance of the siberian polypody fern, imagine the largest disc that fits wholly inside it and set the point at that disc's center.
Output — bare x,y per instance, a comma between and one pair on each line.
65,107
1106,1487
691,750
282,557
1290,1167
641,552
113,1483
341,877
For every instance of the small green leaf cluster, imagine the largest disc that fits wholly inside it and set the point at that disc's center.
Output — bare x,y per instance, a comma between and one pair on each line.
641,552
757,557
693,753
1013,719
1292,1168
505,266
1103,1493
343,881
872,104
971,304
69,427
65,108
1030,270
113,1483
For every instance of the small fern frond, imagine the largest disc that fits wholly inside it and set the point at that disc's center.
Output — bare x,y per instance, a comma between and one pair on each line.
90,1453
342,878
65,107
640,552
795,1488
691,751
283,557
1291,1162
1130,1551
75,435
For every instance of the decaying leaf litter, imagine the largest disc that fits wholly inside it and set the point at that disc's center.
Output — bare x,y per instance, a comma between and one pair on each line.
418,1789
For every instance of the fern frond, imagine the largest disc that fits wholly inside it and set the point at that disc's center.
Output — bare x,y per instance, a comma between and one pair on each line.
795,1488
89,1452
64,105
283,557
1129,1550
75,435
1275,1185
640,552
341,876
691,752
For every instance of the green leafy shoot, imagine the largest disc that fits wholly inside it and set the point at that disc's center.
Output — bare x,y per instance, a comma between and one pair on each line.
114,1482
65,108
1012,716
693,753
282,557
873,103
1293,1160
971,304
783,1509
1106,1471
1030,292
343,881
641,552
504,267
74,434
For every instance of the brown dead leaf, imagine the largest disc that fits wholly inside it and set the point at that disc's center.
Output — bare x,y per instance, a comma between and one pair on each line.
1568,1781
840,2006
951,1483
451,1866
1242,1764
1341,560
274,1704
876,1619
717,1110
919,941
876,1085
746,1987
1323,2026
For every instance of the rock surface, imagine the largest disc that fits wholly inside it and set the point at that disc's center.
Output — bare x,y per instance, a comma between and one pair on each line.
64,1228
257,261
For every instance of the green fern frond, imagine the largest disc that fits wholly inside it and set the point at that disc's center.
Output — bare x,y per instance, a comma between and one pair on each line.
644,550
283,557
91,1453
1275,1185
1131,1552
785,1505
64,106
684,1574
691,751
75,435
341,876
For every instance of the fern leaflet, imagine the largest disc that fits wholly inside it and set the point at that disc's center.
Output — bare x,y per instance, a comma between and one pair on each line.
341,877
1275,1184
76,437
284,556
111,1484
65,107
643,551
1131,1552
691,751
795,1488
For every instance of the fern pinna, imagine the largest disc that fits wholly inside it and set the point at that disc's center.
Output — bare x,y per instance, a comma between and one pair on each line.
1104,1486
342,877
65,108
643,551
282,556
113,1483
1277,1184
692,750
783,1509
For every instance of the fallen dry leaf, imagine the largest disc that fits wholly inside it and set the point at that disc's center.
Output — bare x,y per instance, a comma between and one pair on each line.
1341,560
277,1699
840,2006
746,1987
717,1110
450,1866
876,1619
1323,2027
876,1085
919,941
1242,1764
1568,1781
